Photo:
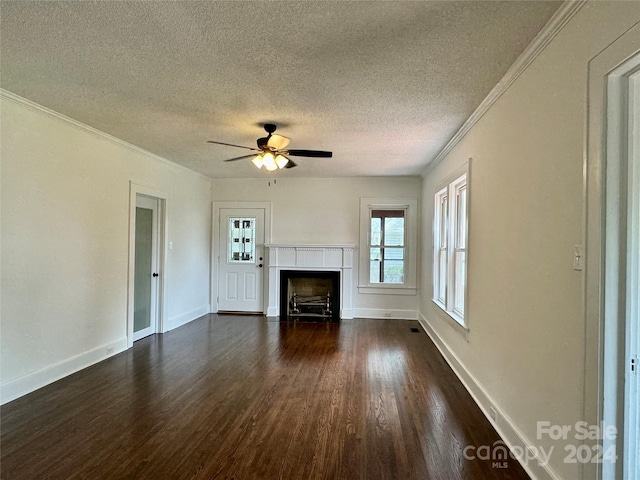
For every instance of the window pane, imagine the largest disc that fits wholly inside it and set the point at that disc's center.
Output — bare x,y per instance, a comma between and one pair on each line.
442,277
375,259
460,260
444,219
376,230
393,253
241,245
461,218
394,231
393,265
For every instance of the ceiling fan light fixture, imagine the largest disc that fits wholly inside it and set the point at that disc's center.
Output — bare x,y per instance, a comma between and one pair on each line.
272,152
281,161
269,161
277,142
257,161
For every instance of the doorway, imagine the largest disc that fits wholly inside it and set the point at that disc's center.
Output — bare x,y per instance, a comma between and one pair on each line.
241,261
632,294
621,267
147,230
243,230
613,257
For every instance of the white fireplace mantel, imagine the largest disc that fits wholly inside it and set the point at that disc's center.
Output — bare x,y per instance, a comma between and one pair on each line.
310,257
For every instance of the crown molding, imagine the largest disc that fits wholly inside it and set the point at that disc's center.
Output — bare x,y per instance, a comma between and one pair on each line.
559,19
7,95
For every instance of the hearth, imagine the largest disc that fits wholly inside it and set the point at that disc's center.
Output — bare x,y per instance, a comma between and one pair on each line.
310,295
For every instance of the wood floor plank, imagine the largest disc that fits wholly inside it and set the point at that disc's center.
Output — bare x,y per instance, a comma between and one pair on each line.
241,397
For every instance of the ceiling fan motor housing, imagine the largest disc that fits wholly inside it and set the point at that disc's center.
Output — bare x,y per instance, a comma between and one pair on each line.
262,142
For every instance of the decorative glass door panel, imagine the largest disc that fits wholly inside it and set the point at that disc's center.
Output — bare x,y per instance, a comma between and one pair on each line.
242,240
145,296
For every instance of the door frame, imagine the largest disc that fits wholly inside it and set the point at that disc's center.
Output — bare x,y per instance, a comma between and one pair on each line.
162,198
604,299
632,393
215,247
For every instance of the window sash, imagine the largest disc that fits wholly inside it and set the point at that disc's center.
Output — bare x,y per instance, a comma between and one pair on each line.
383,268
450,254
441,255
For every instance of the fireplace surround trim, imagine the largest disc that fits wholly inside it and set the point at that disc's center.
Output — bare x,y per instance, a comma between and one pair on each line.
338,258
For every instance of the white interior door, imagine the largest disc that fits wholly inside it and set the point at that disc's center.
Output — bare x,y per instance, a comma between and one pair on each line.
145,297
632,373
241,260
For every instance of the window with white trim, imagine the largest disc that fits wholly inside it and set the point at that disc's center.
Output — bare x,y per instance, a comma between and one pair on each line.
450,248
388,231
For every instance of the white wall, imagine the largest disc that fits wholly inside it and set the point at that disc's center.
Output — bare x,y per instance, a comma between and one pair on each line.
65,241
325,211
526,344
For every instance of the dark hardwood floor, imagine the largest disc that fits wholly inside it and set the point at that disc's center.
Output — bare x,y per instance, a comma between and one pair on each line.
237,397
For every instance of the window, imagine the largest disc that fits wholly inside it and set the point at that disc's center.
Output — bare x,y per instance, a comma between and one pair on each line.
388,231
241,239
450,248
386,251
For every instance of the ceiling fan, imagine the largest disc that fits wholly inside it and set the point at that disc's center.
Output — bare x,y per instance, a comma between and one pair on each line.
272,152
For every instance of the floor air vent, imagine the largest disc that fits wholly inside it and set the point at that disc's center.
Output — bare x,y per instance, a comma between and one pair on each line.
415,330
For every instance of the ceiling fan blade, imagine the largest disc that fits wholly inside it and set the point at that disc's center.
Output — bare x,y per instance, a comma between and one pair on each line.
291,164
309,153
232,145
278,142
240,158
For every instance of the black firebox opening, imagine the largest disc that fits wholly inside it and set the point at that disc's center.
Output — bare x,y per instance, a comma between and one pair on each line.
310,295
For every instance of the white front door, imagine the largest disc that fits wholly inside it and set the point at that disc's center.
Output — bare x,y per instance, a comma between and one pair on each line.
145,297
241,260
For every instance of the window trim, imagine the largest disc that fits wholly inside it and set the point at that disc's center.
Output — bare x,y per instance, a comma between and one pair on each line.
450,188
410,206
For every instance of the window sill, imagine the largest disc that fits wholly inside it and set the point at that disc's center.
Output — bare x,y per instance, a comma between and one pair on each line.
387,290
454,320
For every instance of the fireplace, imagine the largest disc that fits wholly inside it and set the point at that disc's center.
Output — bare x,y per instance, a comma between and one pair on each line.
310,295
323,261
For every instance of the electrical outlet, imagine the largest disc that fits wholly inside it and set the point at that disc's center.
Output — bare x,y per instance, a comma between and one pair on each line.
387,314
109,349
493,413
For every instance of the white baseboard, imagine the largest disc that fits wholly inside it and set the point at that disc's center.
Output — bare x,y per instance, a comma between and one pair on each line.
506,428
184,318
346,313
32,381
384,313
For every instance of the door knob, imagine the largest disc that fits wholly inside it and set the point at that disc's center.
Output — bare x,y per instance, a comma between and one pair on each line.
155,274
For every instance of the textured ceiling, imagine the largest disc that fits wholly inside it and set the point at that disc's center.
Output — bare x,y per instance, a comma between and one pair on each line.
384,85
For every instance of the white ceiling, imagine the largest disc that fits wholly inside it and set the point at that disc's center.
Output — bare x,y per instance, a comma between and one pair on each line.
384,84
